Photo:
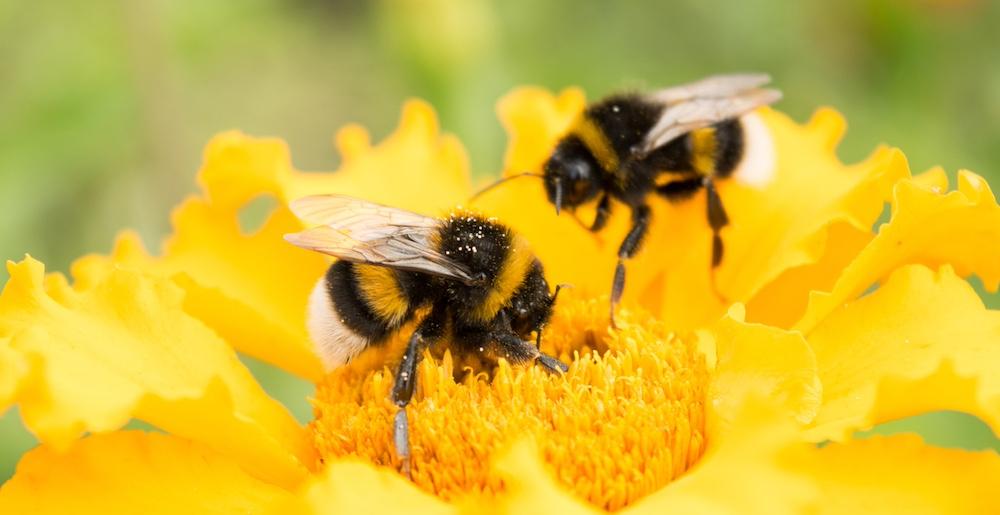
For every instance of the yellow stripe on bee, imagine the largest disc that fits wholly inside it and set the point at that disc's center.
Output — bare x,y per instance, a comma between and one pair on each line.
512,273
380,289
596,141
704,146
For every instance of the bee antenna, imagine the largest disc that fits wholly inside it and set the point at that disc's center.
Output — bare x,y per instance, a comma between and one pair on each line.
503,180
559,287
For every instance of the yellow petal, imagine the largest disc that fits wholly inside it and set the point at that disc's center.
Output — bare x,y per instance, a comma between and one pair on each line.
535,119
57,287
13,369
935,179
762,467
960,228
794,221
900,474
767,362
783,301
252,288
133,472
745,473
125,348
355,487
910,347
783,225
944,388
529,489
415,168
347,486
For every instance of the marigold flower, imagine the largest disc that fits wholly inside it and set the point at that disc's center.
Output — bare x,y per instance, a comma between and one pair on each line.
695,405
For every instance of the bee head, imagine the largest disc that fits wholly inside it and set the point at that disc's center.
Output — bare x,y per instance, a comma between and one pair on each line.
531,306
572,175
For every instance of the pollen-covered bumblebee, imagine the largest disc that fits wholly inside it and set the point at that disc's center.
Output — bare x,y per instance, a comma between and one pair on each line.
484,288
671,142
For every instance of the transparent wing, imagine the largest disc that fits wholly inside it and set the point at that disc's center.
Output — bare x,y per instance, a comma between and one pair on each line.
698,112
716,86
356,215
364,232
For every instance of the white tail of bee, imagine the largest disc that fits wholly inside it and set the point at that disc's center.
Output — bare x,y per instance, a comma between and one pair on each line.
759,163
335,343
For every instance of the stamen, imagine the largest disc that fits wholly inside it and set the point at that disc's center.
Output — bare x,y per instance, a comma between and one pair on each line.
627,418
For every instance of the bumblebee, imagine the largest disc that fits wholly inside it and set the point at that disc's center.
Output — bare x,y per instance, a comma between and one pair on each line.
478,283
672,142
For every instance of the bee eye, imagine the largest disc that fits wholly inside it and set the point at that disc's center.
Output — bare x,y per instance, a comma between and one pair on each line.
577,171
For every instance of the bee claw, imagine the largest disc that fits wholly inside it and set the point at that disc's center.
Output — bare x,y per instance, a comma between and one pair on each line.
552,364
401,437
617,288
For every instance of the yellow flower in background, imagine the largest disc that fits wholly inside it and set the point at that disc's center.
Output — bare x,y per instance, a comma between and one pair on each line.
693,406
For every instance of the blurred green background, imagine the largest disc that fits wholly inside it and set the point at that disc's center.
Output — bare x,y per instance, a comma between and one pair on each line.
105,106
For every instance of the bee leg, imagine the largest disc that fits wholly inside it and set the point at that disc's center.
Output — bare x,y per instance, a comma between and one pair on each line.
717,219
552,364
601,219
405,383
402,392
517,351
681,189
617,288
603,212
640,224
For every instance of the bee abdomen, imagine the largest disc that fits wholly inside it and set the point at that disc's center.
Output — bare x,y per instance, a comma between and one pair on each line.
728,147
354,306
382,293
716,150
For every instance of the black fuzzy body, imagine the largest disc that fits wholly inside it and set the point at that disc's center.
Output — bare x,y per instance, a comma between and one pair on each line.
343,284
625,120
484,247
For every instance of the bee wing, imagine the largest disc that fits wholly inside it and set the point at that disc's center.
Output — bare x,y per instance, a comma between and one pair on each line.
354,214
716,86
364,232
688,115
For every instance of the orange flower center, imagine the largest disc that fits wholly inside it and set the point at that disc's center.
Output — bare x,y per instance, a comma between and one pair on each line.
628,418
